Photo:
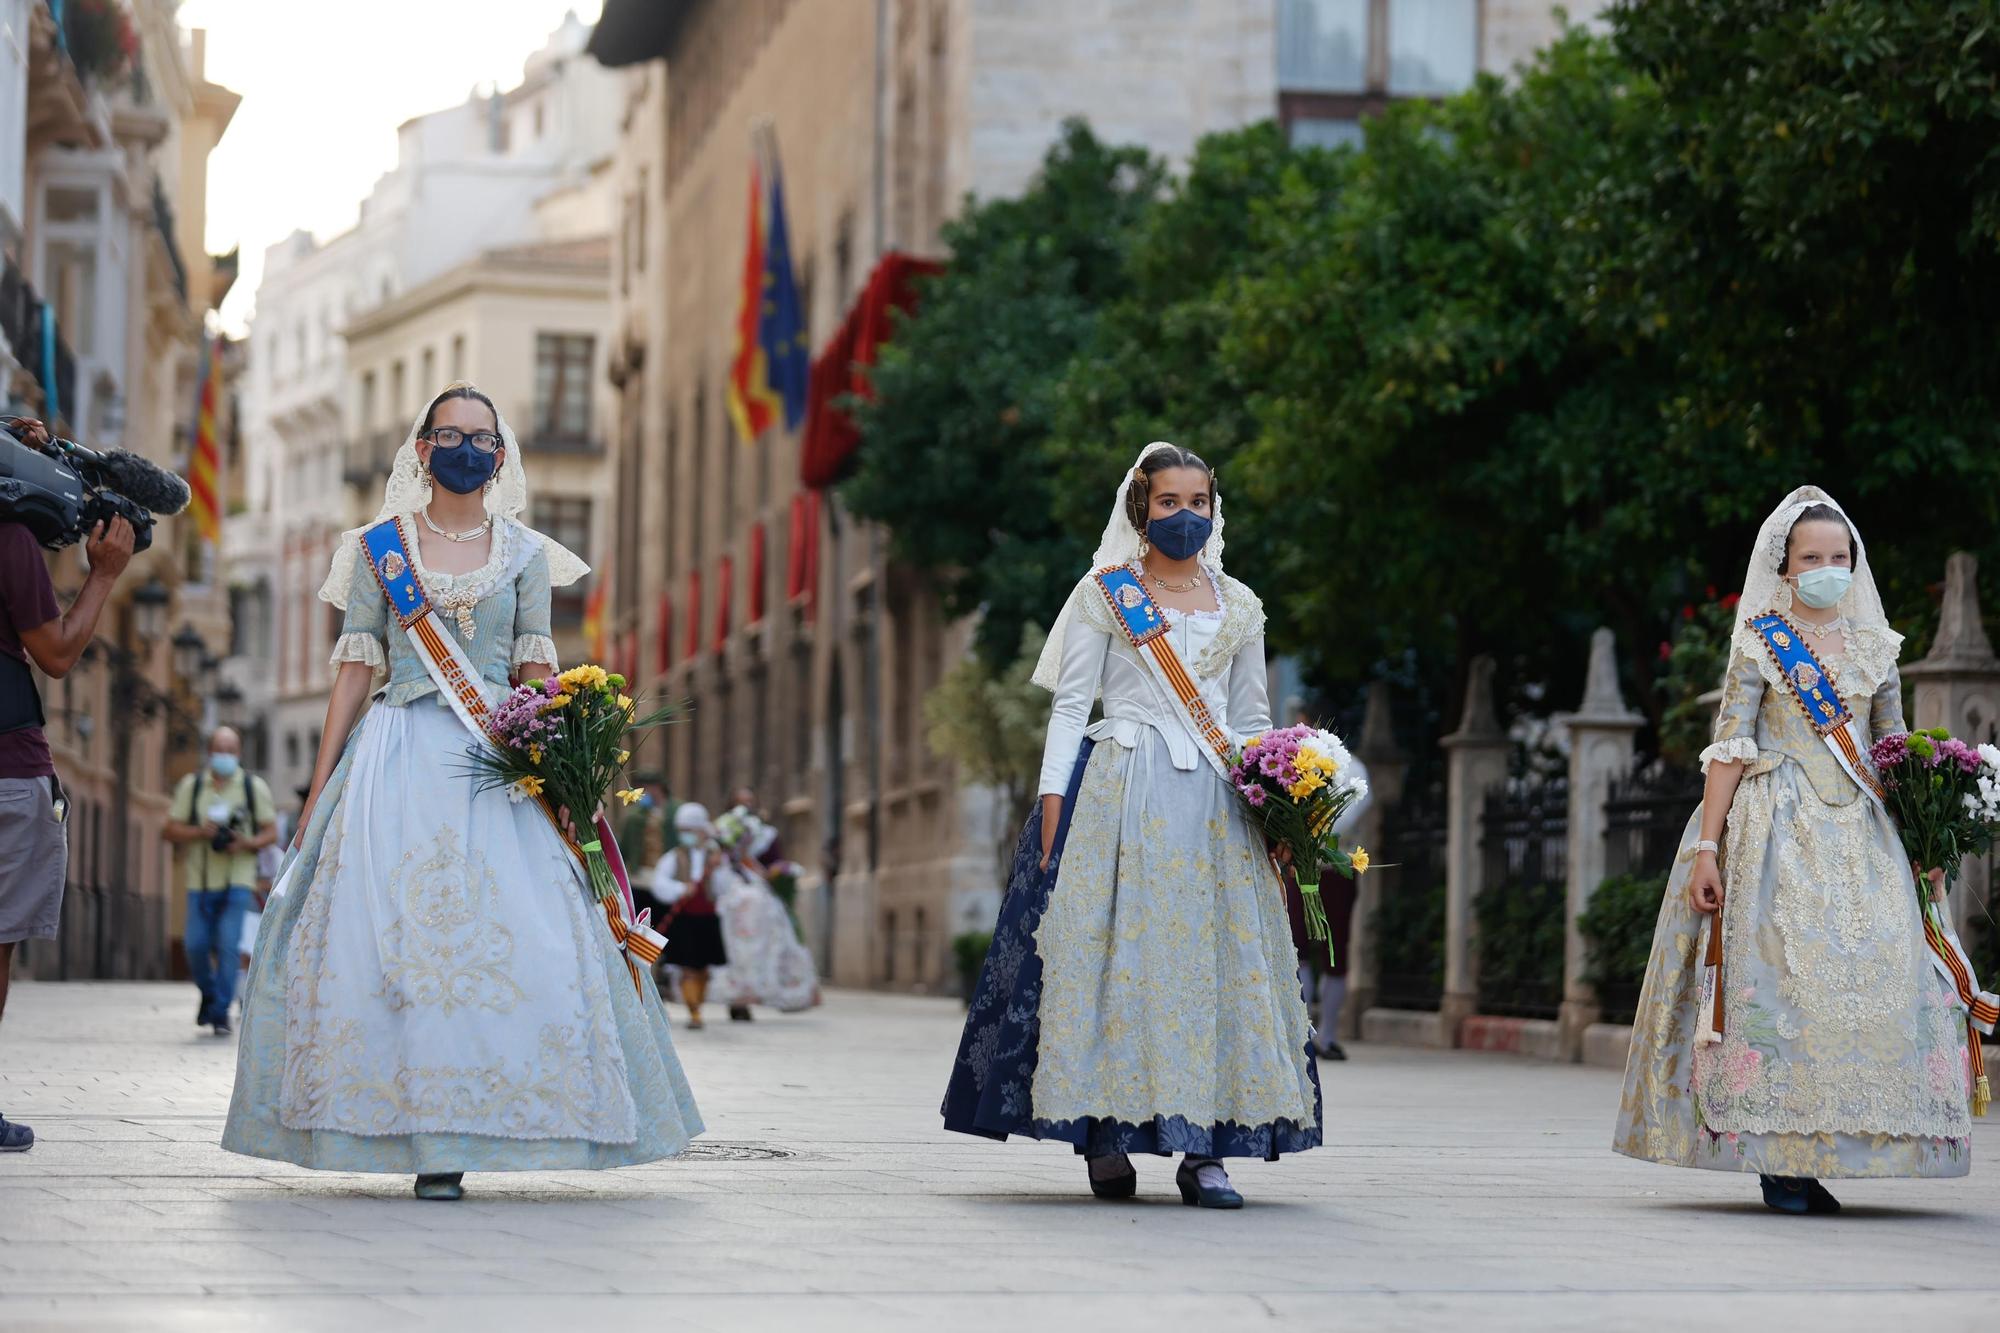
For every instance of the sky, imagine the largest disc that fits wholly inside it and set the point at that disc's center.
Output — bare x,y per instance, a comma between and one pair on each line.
324,87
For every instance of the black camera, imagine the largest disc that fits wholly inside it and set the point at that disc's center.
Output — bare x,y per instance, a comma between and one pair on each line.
225,837
61,492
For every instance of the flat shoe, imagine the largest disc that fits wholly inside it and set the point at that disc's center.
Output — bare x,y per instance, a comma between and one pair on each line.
443,1186
1819,1200
1785,1194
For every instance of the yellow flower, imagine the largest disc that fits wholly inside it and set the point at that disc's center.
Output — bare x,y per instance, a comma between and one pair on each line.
583,676
534,754
624,756
531,785
625,702
630,794
557,704
1360,858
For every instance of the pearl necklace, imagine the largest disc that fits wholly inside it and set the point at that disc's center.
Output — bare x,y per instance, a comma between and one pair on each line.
469,535
1821,631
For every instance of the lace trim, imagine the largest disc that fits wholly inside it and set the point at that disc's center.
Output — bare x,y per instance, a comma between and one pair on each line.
1736,750
359,648
1242,621
1868,656
475,585
534,648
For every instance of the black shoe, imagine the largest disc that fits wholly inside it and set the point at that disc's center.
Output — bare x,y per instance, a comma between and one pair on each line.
1818,1200
222,1026
444,1186
1116,1187
740,1013
1332,1051
1787,1194
201,1012
1197,1195
15,1136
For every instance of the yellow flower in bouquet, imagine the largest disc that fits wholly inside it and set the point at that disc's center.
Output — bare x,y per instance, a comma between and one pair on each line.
584,677
1359,857
630,794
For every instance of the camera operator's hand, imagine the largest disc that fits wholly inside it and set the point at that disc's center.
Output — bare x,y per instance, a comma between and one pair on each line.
29,431
110,547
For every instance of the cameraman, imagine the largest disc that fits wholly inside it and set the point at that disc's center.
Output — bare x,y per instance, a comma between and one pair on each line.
34,857
223,817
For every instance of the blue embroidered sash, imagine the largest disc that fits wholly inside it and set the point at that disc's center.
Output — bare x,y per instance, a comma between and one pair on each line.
1813,688
1145,627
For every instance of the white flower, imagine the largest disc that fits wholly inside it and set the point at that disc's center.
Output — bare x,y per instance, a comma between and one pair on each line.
515,793
1989,755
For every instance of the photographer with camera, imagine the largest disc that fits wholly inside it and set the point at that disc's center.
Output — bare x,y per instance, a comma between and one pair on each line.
34,856
222,817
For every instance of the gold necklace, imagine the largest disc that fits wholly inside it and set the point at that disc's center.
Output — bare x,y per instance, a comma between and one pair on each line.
1821,631
1165,586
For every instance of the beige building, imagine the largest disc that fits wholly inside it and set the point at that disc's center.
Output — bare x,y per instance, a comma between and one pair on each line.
533,319
886,113
102,218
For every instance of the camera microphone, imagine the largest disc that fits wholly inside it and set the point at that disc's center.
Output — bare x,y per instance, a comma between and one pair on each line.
143,482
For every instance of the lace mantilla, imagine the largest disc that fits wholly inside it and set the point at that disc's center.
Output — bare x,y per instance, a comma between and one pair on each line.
1242,621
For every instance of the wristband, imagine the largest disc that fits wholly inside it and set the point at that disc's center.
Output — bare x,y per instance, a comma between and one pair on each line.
1705,845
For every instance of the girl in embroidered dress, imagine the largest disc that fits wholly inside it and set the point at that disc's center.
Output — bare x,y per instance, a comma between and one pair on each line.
1842,1050
1140,993
434,991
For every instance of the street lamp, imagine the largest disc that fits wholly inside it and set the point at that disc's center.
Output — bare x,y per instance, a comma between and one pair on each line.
149,609
189,651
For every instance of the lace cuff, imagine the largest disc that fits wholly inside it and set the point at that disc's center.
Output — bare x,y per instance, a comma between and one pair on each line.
359,648
1735,750
534,648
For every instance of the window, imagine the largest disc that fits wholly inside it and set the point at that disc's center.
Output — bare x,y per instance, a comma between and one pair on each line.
1433,47
566,519
562,385
368,401
1341,60
429,380
70,272
458,356
396,395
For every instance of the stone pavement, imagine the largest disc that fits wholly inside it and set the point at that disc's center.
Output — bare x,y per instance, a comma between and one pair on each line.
1458,1191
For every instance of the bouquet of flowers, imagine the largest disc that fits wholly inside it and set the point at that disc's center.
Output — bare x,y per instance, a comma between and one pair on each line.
1943,794
1298,781
562,741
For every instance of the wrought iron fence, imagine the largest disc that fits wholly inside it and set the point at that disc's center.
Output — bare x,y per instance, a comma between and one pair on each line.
1521,907
1644,817
1408,927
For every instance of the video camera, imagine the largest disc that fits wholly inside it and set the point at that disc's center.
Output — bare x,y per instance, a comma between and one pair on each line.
61,492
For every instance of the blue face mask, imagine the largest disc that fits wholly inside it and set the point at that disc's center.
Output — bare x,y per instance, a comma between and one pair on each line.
1180,534
463,470
1824,587
223,765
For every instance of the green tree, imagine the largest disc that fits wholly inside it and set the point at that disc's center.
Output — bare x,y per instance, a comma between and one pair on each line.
954,461
992,723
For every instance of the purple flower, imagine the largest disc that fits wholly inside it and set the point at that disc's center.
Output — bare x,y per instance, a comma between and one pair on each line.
1256,797
1890,751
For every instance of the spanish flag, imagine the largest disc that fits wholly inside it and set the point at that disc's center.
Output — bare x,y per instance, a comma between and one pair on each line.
593,615
205,471
772,363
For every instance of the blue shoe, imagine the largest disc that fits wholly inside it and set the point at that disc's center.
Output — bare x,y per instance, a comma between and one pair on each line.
1214,1192
15,1136
444,1186
1819,1201
1787,1194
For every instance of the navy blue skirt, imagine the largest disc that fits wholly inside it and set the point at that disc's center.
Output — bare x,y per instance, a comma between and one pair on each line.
992,1083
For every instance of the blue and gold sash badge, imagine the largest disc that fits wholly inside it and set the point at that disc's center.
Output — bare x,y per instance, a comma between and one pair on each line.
1825,709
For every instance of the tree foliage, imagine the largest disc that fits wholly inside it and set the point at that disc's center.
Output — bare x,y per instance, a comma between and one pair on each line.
1532,359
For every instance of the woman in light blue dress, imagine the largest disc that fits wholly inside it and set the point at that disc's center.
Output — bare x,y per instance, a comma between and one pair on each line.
434,990
1140,995
1842,1048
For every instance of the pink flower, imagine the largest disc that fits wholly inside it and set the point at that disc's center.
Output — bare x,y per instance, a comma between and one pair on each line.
1740,1067
1256,797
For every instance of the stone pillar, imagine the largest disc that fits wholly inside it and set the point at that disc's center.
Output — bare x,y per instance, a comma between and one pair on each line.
1600,751
1387,766
1475,763
1957,686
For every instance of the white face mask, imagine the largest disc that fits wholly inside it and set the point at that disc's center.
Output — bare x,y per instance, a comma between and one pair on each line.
1822,588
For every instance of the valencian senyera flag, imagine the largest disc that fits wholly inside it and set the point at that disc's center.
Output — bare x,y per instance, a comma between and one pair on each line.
205,470
593,613
772,364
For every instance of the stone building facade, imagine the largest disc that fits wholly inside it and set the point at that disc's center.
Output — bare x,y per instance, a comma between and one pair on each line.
887,114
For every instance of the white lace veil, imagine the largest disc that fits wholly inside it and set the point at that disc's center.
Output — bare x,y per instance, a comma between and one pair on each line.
408,490
1120,546
1764,590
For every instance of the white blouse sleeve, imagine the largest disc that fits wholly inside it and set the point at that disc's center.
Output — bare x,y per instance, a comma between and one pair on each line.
1084,650
667,887
1249,692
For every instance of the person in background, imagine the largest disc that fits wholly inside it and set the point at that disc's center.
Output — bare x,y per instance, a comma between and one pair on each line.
34,852
221,817
1323,963
683,885
645,831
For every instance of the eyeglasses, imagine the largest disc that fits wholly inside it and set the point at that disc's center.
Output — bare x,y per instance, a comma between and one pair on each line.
450,437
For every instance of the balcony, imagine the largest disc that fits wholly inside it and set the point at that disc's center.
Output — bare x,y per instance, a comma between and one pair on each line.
25,324
60,109
566,446
369,457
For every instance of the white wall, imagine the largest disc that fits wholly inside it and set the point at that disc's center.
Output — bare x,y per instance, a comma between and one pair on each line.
13,113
